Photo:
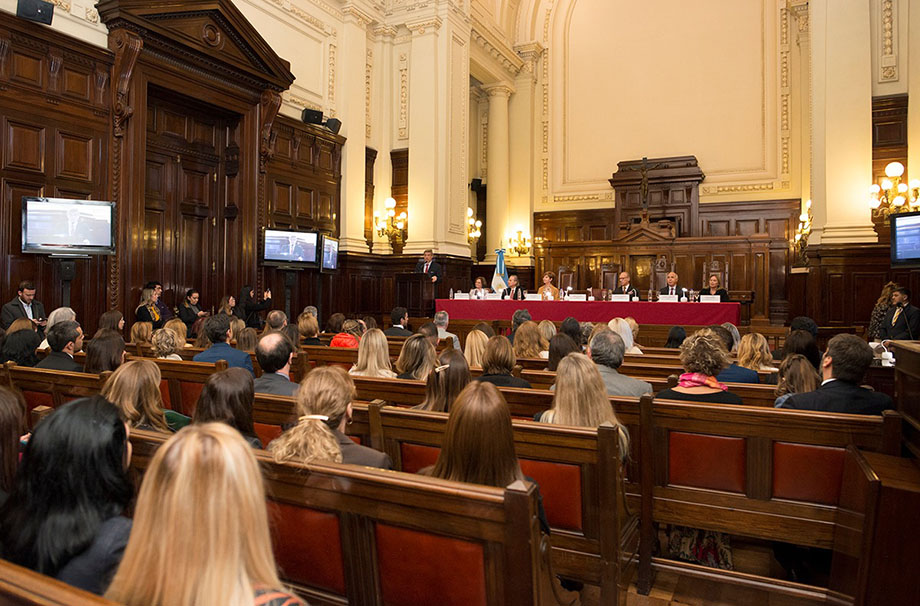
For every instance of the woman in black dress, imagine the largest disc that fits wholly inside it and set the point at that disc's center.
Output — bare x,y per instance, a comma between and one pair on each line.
715,288
248,308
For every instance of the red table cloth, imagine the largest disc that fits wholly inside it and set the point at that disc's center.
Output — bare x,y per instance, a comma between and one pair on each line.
685,314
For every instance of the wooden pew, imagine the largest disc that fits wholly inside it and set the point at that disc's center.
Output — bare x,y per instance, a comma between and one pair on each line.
23,587
271,412
181,382
349,534
594,536
53,388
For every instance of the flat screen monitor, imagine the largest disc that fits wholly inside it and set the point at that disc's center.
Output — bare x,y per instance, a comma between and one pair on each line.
285,247
61,226
330,252
905,239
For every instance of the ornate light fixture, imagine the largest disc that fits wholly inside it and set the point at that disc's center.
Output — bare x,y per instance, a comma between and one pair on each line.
519,243
801,236
473,226
893,195
389,224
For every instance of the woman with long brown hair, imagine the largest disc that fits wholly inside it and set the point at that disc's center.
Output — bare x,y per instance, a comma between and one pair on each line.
141,332
12,425
497,364
111,320
227,397
529,342
201,510
373,356
135,389
446,381
323,404
416,358
881,308
105,352
796,375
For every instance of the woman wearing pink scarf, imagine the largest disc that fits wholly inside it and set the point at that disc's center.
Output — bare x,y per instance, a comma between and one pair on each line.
703,356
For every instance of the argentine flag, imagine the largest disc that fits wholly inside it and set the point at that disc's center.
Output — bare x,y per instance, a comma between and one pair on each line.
500,277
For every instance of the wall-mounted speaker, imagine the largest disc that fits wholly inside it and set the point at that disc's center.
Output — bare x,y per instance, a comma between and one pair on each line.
334,124
311,116
35,10
475,184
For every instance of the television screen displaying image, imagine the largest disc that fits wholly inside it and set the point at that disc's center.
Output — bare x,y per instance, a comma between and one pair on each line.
67,227
287,247
330,261
905,239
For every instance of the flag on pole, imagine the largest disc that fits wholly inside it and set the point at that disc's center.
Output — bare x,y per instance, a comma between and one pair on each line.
500,277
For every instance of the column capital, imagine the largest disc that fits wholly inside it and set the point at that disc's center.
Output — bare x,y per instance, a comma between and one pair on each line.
355,13
382,30
498,89
421,26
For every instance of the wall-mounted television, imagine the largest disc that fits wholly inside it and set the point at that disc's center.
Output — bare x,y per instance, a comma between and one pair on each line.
61,226
905,239
289,248
330,254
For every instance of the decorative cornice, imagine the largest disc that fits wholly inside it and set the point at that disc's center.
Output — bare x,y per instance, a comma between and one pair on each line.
496,48
385,31
355,12
530,53
420,26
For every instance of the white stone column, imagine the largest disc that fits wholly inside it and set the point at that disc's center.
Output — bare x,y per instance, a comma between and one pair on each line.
353,60
498,169
383,100
913,93
842,120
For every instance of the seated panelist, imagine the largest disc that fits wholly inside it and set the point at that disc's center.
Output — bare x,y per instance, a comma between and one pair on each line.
672,287
625,288
548,292
715,288
479,290
514,290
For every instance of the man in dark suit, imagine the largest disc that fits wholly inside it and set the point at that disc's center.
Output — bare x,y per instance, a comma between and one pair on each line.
274,353
24,306
672,287
514,291
903,319
400,319
734,373
429,266
65,339
217,328
625,288
843,366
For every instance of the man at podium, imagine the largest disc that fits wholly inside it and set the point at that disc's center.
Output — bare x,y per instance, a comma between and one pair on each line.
429,266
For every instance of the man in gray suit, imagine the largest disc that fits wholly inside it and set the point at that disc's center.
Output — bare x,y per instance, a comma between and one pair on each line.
440,320
274,353
606,350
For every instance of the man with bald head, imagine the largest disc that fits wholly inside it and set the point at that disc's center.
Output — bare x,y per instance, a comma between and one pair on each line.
672,287
625,288
274,353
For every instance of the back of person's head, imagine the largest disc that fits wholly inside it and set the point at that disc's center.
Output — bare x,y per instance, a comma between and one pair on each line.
736,335
369,322
311,309
247,339
547,329
498,358
275,320
245,297
728,341
619,326
227,397
797,375
430,330
178,326
607,349
110,320
141,332
216,328
201,510
587,329
20,347
441,319
804,323
416,357
307,325
754,351
73,477
571,327
519,317
20,324
353,328
633,326
65,313
273,352
293,334
61,334
475,347
803,342
165,342
322,403
335,322
704,352
398,315
201,339
105,352
485,328
676,336
135,389
528,341
12,426
850,357
236,327
373,353
560,346
446,381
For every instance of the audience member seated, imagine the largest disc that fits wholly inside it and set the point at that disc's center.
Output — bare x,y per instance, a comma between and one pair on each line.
842,368
217,328
441,320
497,364
166,345
485,328
560,346
607,350
334,324
189,310
880,310
275,320
166,313
178,326
399,319
20,347
517,318
676,336
227,305
803,342
369,322
621,327
799,323
201,510
112,320
587,329
248,308
65,313
475,347
323,406
754,353
429,330
12,427
350,335
247,339
135,390
547,329
275,354
634,327
147,310
736,336
293,334
548,292
65,339
703,356
373,356
416,358
529,342
796,375
714,287
64,516
21,324
227,397
141,333
201,339
571,327
311,309
445,382
236,327
308,326
106,351
480,289
903,319
732,372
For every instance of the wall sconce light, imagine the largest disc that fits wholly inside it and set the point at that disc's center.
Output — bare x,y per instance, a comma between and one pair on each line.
519,243
893,195
390,225
473,226
800,243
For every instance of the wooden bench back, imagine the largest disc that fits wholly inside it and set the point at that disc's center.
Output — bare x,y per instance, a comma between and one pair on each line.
23,587
52,388
181,382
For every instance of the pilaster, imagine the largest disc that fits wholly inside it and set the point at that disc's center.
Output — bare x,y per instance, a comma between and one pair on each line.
498,168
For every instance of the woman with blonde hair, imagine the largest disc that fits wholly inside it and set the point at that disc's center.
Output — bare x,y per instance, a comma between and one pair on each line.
247,339
323,404
308,326
141,332
236,327
135,389
754,352
529,342
547,329
446,381
475,347
373,356
147,310
20,324
416,358
634,327
878,312
621,327
165,344
181,330
796,375
227,305
497,364
221,545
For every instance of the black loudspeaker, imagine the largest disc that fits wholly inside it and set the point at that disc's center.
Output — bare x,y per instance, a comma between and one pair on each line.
311,116
475,184
334,124
68,271
35,10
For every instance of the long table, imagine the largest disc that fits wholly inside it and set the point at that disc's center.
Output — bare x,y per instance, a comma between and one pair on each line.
693,314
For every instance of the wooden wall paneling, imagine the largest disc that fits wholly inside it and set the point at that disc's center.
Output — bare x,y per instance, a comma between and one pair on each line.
889,133
370,157
399,188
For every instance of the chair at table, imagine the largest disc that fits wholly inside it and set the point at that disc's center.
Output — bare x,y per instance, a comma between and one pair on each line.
609,276
566,278
659,272
718,268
